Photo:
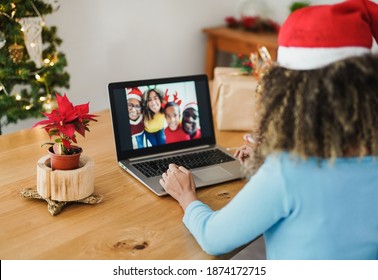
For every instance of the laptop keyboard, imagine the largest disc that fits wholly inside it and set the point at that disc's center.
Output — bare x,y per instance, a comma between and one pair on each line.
194,160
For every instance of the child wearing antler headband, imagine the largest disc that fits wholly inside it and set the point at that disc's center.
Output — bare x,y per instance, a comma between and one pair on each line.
315,192
173,132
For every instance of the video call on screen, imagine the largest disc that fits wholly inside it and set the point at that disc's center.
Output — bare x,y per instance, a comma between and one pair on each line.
163,114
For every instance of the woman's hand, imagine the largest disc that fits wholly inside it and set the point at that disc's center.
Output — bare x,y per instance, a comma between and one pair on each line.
243,153
246,151
179,183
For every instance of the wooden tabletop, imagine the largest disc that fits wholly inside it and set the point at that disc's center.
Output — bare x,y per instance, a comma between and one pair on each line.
130,223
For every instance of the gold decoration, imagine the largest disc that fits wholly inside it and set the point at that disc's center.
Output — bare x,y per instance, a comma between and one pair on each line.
261,67
16,52
54,206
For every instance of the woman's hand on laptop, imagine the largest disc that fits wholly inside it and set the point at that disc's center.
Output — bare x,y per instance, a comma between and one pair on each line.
243,153
246,151
179,183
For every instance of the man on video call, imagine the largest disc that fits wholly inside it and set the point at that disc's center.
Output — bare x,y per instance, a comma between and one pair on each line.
190,120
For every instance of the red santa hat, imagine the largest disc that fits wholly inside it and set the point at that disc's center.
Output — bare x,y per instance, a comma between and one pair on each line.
315,36
134,93
192,105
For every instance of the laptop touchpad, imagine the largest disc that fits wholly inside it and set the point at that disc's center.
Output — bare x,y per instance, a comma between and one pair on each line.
212,173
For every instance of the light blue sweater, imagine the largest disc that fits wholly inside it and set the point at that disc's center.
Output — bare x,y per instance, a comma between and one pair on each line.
305,209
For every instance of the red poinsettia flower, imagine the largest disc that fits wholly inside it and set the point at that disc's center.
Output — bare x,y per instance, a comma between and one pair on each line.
249,22
231,21
64,121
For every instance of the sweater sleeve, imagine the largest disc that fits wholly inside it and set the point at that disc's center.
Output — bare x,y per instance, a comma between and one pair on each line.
261,203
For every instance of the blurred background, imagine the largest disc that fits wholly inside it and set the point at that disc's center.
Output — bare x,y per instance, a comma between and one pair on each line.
118,40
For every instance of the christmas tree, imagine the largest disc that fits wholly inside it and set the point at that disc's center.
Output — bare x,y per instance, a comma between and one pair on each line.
31,68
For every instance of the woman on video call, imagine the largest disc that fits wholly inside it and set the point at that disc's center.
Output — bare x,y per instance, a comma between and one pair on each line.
313,188
154,118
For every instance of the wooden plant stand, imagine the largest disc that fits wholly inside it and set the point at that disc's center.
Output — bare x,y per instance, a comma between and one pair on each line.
61,187
65,185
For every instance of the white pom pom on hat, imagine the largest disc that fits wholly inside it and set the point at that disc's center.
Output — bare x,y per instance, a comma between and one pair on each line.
315,36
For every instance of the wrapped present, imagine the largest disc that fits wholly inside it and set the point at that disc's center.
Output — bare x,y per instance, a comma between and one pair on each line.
233,99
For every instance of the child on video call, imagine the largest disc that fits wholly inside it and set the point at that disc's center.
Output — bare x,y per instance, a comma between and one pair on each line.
173,131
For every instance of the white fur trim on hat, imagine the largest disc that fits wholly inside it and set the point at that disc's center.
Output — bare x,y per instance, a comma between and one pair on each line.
135,96
298,58
134,93
192,105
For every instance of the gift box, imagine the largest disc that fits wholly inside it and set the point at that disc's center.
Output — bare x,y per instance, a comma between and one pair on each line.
233,98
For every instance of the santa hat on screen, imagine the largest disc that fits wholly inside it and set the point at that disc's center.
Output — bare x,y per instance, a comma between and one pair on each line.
192,105
315,36
134,93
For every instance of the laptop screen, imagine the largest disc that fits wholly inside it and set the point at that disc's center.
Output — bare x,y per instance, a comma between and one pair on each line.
160,115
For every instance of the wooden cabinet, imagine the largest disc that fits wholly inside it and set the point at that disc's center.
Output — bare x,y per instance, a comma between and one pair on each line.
235,41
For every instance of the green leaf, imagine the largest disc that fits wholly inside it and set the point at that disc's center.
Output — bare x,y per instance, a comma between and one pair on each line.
47,143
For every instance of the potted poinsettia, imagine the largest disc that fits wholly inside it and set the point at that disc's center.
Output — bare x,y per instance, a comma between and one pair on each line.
62,124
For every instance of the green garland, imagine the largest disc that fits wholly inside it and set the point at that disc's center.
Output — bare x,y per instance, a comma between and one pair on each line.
24,88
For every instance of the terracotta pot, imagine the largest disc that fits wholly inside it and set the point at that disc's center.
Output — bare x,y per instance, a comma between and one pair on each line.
64,162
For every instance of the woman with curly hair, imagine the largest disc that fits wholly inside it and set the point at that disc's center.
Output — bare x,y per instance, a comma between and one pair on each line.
313,188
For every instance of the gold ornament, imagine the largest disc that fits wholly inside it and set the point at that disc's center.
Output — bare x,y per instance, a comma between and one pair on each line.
261,68
16,52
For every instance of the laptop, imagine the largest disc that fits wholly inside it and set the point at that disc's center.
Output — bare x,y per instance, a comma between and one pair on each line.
168,120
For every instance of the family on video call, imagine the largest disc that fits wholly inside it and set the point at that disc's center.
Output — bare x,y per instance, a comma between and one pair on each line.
163,114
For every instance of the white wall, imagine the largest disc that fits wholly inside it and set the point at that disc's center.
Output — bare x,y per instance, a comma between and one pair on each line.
116,40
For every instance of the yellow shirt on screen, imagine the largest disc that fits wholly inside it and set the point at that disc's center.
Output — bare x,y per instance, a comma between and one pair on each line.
156,124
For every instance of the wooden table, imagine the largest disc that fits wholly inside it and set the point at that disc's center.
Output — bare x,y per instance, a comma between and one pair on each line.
130,223
235,41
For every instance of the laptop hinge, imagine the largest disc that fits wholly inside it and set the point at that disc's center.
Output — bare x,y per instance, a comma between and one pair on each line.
171,153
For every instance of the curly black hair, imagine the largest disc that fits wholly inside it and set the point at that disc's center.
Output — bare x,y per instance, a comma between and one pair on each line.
325,113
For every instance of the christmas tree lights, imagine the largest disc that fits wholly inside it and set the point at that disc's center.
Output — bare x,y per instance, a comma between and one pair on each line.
31,67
